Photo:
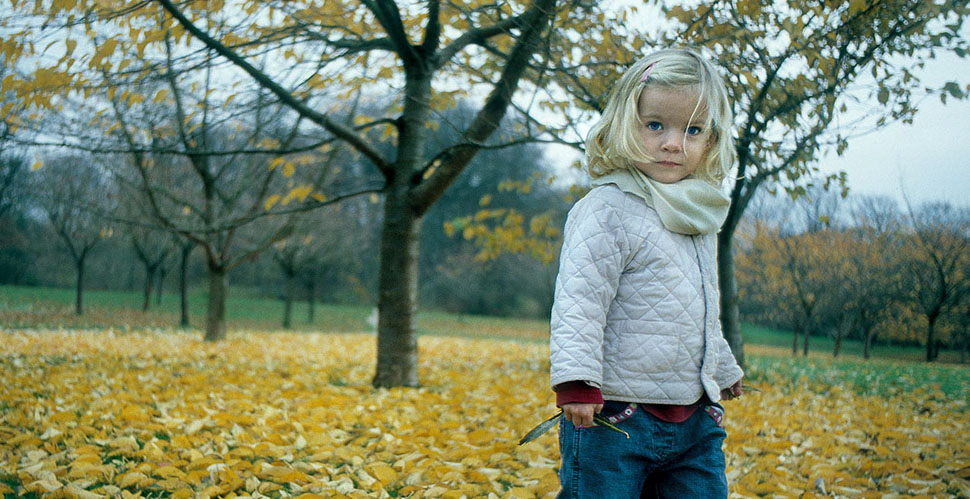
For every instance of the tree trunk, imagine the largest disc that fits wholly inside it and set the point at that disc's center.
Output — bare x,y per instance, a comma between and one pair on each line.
215,320
79,292
838,344
149,280
730,319
160,284
288,299
184,285
807,334
930,337
397,341
311,299
867,346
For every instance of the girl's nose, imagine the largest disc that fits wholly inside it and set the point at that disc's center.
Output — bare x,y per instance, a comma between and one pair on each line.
672,142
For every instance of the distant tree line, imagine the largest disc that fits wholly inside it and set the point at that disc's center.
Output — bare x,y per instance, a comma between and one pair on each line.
862,268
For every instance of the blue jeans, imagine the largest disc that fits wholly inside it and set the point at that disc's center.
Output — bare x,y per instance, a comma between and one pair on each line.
660,459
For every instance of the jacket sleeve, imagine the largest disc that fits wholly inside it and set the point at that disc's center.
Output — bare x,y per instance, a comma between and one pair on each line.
590,265
728,370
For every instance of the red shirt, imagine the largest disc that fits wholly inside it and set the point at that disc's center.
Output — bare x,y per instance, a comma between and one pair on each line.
583,393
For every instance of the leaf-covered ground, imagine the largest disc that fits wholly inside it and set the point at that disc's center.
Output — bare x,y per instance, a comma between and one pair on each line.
161,414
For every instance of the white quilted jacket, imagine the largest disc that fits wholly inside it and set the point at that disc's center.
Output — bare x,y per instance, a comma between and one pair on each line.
636,305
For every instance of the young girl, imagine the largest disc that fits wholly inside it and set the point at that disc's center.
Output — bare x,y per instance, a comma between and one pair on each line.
635,331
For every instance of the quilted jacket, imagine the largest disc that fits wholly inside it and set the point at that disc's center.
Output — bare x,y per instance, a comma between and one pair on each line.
636,306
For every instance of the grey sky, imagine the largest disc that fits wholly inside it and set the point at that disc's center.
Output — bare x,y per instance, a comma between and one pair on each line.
928,160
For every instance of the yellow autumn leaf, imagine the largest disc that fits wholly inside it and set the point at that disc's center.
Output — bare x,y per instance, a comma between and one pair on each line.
135,480
134,413
271,201
160,96
383,472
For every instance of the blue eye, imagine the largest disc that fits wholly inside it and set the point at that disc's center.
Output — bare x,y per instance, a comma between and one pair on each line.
654,125
694,130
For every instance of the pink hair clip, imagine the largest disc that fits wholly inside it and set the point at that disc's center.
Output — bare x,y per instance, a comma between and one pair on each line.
646,72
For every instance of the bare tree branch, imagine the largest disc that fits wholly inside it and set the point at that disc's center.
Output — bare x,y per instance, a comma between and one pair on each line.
334,127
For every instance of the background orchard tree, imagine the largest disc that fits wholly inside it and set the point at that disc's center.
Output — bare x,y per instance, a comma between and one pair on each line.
152,248
326,238
77,197
219,174
876,279
937,264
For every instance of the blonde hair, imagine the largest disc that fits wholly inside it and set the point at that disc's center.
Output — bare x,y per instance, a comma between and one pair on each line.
614,142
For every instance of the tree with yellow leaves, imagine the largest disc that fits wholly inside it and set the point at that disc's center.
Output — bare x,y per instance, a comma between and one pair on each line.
875,267
77,197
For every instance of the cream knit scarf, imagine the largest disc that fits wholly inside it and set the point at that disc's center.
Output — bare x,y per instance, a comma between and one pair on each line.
690,206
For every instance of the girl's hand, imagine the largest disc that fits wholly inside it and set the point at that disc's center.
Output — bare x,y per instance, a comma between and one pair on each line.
581,415
733,392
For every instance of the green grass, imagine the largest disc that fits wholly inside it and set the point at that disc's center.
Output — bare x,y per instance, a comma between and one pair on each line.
30,307
24,307
876,377
782,340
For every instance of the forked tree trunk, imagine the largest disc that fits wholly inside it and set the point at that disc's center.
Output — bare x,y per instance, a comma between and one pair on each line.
215,320
397,341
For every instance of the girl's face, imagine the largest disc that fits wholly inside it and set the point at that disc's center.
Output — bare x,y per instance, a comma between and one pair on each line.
677,143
